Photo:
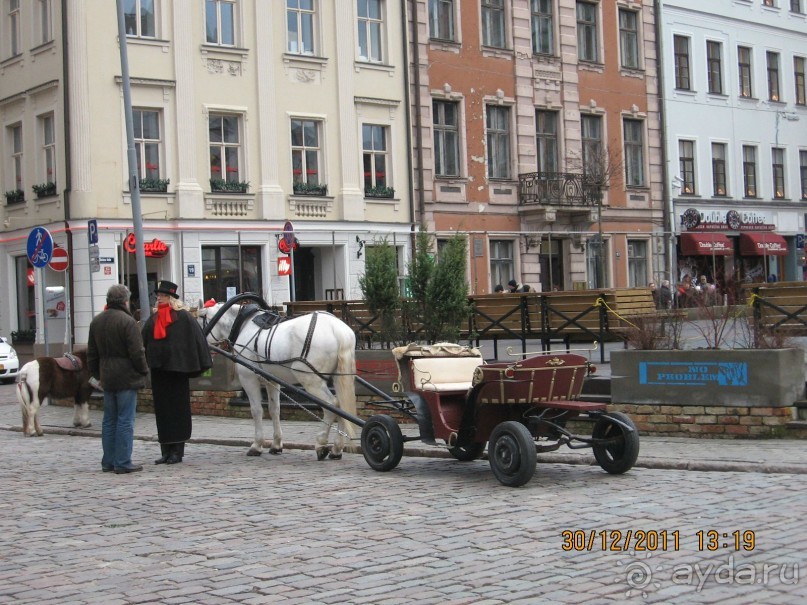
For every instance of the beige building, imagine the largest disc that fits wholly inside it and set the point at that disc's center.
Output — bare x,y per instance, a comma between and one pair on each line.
246,114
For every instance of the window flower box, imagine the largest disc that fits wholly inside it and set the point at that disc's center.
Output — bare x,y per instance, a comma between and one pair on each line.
154,185
15,196
310,189
379,192
23,336
222,186
45,189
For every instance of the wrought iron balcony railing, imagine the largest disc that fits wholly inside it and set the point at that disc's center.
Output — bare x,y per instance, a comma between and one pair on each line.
557,189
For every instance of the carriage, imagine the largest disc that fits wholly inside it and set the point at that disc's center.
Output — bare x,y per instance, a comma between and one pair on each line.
514,408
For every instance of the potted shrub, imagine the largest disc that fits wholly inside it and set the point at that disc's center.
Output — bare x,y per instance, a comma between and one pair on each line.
220,185
23,336
154,185
379,192
45,189
15,196
304,188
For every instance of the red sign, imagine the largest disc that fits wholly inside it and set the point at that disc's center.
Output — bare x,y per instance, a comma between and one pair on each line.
283,265
155,248
30,277
284,247
59,259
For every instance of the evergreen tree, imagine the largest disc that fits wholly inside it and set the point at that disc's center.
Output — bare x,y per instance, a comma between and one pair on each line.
379,286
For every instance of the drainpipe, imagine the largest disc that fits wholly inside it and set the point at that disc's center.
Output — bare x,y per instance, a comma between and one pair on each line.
669,220
421,203
67,175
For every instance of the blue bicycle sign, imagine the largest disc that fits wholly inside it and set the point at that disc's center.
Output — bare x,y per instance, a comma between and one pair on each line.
40,247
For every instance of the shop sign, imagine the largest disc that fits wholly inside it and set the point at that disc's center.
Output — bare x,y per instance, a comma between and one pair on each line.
283,265
155,248
693,219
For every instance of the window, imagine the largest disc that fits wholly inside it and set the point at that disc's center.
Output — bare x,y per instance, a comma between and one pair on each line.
744,67
719,169
300,26
502,269
148,142
769,2
591,127
803,173
48,133
714,62
498,139
634,153
225,148
686,166
44,15
778,172
629,38
772,60
15,136
798,76
220,17
138,18
374,156
546,123
305,152
681,51
795,6
542,27
14,27
370,26
441,19
446,138
493,23
637,263
226,267
587,32
750,170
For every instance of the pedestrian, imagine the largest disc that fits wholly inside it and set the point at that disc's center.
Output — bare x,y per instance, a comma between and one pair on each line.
665,295
499,289
176,351
115,356
654,293
515,286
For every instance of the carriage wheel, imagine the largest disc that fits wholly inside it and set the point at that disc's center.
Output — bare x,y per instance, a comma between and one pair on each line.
512,454
382,443
618,456
467,453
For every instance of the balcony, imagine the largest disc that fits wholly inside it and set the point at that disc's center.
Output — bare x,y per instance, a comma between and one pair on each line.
557,189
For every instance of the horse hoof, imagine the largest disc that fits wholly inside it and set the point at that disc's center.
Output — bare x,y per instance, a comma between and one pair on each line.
253,453
334,456
276,451
323,452
86,426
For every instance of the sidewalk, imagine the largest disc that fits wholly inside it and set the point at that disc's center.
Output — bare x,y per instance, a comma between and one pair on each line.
680,453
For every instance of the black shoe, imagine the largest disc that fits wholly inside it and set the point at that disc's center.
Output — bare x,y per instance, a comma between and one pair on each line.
173,459
122,470
107,469
162,460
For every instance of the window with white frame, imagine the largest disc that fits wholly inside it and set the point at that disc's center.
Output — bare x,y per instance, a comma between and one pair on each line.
803,173
719,179
772,62
306,151
587,37
228,268
796,6
371,30
493,27
220,22
502,267
44,19
750,170
16,155
682,67
148,143
637,263
13,24
634,152
778,172
546,127
686,166
47,133
225,148
543,27
744,69
446,138
300,23
799,80
498,139
591,132
714,62
139,18
629,38
375,159
769,2
441,19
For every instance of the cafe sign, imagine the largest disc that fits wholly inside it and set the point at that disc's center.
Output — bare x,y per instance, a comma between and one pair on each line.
693,219
155,248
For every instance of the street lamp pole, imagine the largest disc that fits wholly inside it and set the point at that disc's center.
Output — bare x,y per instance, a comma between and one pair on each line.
600,242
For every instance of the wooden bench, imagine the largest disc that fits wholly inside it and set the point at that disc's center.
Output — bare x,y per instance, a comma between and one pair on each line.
781,306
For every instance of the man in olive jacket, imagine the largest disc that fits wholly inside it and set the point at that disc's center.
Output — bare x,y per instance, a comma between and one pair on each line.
116,356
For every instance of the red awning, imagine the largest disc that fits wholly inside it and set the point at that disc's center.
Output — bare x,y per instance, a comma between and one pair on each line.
699,244
762,243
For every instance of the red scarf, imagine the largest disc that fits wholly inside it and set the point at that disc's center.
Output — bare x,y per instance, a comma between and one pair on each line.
163,320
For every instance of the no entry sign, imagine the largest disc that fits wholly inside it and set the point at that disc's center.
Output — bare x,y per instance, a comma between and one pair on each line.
58,260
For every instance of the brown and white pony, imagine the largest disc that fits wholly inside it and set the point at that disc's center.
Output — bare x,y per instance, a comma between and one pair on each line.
45,378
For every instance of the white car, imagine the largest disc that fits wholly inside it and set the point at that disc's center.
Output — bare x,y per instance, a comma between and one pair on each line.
9,363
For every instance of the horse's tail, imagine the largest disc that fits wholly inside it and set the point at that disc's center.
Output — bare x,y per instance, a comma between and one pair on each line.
24,395
345,381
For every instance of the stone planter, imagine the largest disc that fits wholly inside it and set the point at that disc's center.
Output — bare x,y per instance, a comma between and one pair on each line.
709,377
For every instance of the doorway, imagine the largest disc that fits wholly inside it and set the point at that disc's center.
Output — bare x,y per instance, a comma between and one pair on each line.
551,261
304,274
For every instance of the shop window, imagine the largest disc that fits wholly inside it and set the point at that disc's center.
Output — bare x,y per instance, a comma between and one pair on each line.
26,296
230,270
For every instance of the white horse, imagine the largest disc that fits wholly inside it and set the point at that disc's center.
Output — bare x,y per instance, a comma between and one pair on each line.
308,349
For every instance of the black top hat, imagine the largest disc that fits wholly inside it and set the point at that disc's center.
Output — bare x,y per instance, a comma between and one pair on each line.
166,287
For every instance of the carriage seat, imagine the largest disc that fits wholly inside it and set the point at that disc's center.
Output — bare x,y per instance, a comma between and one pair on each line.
444,373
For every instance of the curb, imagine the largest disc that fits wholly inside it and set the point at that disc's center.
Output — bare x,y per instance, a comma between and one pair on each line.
545,458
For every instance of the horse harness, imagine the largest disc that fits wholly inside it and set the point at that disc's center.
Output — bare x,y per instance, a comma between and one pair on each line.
69,362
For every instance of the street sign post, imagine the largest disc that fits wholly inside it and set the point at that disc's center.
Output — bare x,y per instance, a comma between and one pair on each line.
40,247
288,234
59,260
92,231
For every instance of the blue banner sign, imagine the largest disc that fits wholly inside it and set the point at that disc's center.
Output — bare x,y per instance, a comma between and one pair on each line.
725,374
